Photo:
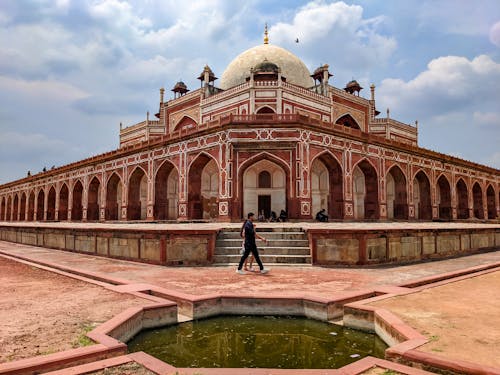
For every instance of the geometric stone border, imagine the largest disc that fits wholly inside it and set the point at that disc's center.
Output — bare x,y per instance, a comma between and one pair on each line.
167,305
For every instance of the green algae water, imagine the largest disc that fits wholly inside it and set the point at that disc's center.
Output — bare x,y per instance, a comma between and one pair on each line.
258,341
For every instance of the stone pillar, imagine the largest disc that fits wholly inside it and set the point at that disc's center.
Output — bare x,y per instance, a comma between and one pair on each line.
56,213
45,205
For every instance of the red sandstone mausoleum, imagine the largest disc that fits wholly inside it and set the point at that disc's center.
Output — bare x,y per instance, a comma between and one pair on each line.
269,136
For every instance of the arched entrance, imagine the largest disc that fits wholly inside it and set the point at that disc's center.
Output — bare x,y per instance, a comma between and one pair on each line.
2,210
40,205
94,200
51,204
265,110
422,197
31,207
490,203
462,200
203,185
63,202
397,199
113,197
137,195
348,121
166,192
264,188
444,198
365,191
327,186
22,209
15,208
9,209
76,207
477,195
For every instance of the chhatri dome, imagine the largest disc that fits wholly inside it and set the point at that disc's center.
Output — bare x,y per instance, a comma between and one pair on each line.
292,68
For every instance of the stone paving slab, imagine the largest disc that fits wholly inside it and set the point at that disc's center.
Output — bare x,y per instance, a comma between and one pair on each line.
314,281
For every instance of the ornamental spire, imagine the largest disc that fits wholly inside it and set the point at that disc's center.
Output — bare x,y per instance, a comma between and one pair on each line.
266,37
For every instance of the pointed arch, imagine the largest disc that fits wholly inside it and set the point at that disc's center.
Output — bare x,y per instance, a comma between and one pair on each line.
491,203
51,204
365,190
185,123
77,204
462,200
22,207
348,121
444,198
2,210
334,199
422,196
40,205
94,199
9,209
265,110
166,192
31,206
63,202
15,207
203,187
114,190
396,192
477,195
137,194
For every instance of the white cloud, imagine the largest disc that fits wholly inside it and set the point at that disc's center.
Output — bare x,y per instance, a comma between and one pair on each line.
495,34
48,90
486,118
336,33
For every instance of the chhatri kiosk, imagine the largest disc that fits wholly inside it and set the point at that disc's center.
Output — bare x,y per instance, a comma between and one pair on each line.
269,135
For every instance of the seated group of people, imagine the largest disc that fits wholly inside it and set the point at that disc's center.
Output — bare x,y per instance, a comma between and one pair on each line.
274,218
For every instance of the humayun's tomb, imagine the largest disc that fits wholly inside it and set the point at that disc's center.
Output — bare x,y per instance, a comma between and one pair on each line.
270,136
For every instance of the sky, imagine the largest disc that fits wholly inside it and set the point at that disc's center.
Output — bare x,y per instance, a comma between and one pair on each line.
71,71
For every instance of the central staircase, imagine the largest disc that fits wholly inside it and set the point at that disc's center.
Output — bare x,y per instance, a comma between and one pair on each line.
286,246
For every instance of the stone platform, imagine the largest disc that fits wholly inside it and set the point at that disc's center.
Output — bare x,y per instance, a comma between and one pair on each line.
354,243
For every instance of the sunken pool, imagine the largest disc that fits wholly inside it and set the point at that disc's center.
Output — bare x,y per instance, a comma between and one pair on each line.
258,341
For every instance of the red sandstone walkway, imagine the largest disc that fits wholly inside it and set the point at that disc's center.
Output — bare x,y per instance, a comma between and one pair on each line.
315,281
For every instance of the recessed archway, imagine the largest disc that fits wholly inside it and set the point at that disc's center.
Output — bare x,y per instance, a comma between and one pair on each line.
477,195
444,198
22,209
15,208
422,197
462,200
2,210
348,121
63,202
8,213
166,192
40,205
77,207
264,188
137,195
327,186
31,207
265,110
490,203
397,198
203,185
365,191
51,204
113,197
94,200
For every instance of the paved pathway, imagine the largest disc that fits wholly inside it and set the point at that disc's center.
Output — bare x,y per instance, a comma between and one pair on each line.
313,281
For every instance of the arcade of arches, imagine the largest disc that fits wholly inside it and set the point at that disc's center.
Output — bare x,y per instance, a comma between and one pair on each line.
266,184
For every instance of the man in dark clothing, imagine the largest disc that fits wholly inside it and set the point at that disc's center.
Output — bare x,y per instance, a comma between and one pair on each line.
250,245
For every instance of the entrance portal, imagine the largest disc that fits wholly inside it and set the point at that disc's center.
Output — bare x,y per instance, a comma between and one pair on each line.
265,205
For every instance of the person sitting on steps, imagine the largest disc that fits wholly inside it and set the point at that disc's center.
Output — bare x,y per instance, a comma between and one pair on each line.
322,216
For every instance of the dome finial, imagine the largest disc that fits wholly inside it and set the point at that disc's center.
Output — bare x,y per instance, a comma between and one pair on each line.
266,37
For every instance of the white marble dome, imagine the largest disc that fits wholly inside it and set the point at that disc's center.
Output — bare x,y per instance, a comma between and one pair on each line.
292,68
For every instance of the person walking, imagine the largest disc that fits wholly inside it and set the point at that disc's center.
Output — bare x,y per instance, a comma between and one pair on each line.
250,245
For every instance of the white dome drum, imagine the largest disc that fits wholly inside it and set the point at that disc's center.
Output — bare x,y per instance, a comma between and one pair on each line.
292,68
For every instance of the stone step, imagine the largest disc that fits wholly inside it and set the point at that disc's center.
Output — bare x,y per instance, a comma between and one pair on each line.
266,259
263,228
268,235
229,242
265,249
